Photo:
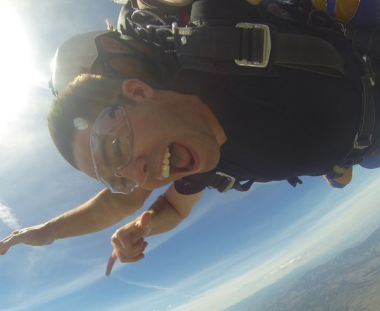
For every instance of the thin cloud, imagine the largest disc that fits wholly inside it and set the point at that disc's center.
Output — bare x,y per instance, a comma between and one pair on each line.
169,290
283,266
290,262
329,229
8,218
199,211
97,272
88,278
242,278
338,224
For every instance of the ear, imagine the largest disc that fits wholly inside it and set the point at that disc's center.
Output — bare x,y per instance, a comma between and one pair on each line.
137,90
112,46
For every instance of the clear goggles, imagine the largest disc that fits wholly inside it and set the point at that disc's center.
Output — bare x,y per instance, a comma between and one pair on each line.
111,149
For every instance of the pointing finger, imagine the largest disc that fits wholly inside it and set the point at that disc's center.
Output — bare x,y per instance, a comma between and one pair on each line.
111,262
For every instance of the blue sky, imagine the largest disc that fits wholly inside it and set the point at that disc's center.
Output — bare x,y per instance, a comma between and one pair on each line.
230,246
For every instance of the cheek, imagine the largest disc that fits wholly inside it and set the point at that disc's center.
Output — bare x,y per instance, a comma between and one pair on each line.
148,130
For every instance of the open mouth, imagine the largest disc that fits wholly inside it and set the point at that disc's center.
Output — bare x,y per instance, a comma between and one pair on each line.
177,159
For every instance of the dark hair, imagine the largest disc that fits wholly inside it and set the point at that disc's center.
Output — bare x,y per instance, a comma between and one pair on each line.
83,98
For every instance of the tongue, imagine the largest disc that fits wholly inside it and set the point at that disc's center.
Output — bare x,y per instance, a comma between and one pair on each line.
180,156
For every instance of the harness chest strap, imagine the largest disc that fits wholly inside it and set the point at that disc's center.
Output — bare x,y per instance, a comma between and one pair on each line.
223,182
257,46
216,49
250,48
364,43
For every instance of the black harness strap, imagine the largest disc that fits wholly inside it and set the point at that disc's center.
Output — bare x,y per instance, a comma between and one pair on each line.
254,49
219,180
365,44
216,46
363,139
258,47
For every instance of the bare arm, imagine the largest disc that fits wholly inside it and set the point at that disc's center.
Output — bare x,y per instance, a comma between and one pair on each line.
170,209
100,212
165,214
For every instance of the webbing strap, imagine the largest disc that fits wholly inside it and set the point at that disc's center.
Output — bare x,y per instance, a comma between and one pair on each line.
368,120
309,53
219,45
366,44
363,139
217,179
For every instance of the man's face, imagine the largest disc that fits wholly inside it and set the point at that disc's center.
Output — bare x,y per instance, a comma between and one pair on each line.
164,121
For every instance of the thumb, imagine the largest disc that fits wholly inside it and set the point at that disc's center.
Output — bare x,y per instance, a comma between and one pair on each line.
145,221
142,226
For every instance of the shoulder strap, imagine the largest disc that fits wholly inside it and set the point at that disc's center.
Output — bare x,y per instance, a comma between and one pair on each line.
249,49
220,47
253,49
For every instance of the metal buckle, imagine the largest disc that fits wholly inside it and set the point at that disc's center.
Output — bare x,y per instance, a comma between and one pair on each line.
360,145
370,75
229,178
266,46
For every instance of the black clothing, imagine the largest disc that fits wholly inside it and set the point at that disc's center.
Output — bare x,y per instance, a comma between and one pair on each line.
300,123
295,124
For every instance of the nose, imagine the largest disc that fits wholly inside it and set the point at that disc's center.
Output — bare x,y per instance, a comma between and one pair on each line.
136,170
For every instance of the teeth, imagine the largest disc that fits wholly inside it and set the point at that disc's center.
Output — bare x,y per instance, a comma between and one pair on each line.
165,168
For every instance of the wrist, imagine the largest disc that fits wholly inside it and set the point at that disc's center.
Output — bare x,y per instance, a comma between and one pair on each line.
48,232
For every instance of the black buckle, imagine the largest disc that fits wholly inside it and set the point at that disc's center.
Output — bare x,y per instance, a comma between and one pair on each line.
362,143
162,36
255,45
370,74
222,182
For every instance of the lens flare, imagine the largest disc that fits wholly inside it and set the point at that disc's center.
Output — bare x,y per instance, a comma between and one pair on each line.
18,73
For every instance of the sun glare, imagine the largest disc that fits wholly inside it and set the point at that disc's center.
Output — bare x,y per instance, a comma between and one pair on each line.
17,71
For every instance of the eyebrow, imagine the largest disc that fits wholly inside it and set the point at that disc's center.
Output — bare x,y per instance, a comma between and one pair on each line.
106,159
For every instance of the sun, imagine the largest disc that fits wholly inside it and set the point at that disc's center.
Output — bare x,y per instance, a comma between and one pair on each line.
17,71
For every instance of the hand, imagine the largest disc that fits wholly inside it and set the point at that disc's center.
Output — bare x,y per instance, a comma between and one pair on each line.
128,241
35,236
